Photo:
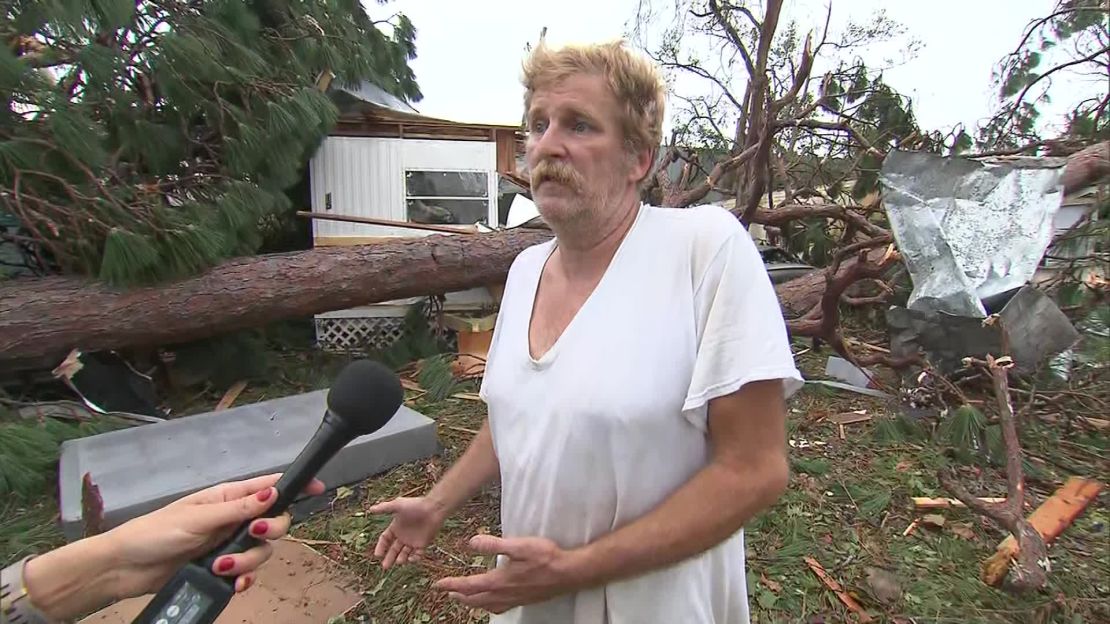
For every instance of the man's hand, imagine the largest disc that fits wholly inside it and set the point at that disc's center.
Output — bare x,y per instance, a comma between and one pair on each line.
538,569
415,524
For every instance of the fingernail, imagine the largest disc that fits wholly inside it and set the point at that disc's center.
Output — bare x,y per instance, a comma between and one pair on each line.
264,495
247,581
225,564
260,527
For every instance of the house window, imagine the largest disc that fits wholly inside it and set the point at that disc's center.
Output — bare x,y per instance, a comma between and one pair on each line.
447,197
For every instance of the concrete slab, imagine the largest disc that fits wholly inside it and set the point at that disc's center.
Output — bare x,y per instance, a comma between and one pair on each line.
296,586
143,468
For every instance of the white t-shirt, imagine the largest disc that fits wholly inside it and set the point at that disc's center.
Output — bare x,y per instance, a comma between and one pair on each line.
612,419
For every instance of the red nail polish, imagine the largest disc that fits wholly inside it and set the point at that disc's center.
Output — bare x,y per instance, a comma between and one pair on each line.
264,495
260,527
225,564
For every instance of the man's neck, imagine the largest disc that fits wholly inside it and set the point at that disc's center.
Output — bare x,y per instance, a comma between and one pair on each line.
586,248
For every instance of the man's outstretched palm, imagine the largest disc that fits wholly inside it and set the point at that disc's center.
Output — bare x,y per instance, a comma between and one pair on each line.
415,524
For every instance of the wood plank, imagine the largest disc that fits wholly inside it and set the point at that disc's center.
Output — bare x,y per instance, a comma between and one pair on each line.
924,502
431,227
232,393
1050,519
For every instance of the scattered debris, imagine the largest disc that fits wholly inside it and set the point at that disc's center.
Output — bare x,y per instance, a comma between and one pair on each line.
849,387
933,520
232,393
924,502
963,530
107,383
1050,519
843,370
1036,331
474,337
911,527
837,589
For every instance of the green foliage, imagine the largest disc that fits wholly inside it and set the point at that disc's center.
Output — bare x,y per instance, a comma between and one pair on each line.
437,379
963,428
1068,43
150,141
29,450
416,342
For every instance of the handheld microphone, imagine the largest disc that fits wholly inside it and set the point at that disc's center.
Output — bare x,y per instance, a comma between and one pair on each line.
364,397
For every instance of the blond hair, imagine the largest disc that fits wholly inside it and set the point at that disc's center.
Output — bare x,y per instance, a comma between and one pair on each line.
633,80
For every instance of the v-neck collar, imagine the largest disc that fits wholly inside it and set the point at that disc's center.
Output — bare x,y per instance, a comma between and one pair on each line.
549,356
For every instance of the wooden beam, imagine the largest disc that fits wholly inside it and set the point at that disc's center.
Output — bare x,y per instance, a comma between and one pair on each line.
431,227
1050,519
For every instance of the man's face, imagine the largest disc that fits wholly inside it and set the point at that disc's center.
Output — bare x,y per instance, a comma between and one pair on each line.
575,149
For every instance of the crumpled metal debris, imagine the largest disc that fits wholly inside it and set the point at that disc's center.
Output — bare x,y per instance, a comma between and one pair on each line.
1036,330
968,230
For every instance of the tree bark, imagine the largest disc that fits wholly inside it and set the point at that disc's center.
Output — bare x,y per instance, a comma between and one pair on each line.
42,319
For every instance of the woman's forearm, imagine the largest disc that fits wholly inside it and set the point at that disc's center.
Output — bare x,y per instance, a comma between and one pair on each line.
74,580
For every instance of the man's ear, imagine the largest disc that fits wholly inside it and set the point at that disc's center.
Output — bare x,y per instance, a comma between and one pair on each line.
642,163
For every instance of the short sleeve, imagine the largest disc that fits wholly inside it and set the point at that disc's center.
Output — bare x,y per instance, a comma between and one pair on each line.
741,331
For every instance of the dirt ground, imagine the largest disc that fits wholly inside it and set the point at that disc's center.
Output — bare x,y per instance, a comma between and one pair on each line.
848,509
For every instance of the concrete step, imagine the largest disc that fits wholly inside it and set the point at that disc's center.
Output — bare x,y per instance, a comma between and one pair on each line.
143,468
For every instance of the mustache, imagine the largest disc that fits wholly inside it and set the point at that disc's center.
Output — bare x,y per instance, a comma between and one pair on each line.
555,171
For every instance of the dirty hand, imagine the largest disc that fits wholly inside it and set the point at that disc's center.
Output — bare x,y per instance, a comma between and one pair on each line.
149,549
415,524
537,569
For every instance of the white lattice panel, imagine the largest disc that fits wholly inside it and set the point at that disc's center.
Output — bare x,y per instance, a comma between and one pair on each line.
358,333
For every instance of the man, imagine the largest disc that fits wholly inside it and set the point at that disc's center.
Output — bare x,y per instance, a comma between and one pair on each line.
635,381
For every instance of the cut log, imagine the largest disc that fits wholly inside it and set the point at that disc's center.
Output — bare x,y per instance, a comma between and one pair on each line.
43,319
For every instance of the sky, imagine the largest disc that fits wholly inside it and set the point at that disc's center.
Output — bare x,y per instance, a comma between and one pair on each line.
470,51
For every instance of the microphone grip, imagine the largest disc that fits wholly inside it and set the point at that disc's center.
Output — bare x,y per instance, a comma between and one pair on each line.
330,437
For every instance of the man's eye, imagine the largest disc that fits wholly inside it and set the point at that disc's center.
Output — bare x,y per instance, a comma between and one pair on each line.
539,126
581,126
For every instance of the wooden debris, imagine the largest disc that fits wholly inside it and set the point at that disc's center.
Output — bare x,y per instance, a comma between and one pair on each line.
851,417
232,393
837,589
910,529
924,502
1050,519
933,520
1097,423
92,506
467,396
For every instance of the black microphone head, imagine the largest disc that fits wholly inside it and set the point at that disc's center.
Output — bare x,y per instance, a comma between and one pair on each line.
365,396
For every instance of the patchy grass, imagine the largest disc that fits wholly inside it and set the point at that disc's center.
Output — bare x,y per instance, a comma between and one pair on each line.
848,507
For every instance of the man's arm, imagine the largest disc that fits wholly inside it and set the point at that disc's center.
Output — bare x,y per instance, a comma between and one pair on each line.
476,468
747,474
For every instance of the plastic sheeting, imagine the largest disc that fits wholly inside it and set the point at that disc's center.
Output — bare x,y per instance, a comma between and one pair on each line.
968,230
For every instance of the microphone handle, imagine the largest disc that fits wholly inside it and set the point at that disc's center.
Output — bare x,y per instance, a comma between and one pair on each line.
331,436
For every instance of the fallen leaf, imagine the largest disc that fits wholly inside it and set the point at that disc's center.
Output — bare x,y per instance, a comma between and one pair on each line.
933,520
342,492
903,465
883,585
964,531
774,586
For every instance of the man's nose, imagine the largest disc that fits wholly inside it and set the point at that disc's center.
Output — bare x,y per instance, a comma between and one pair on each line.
549,144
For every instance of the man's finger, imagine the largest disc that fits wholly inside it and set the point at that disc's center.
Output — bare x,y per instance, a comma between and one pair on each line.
391,556
513,547
384,507
468,585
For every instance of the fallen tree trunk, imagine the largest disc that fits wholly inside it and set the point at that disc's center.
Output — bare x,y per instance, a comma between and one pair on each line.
42,319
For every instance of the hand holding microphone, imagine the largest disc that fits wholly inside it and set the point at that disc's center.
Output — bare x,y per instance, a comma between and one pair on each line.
197,552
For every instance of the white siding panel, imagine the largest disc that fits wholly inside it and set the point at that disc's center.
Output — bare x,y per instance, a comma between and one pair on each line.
449,155
364,176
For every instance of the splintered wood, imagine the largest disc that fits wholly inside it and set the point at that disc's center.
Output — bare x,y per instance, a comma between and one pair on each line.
1050,519
924,502
831,583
